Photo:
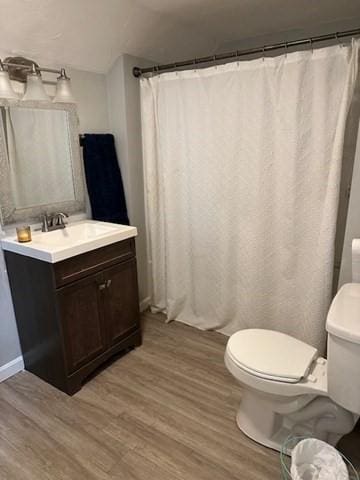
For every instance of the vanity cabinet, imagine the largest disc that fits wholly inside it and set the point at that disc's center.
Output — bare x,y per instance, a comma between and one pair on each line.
75,314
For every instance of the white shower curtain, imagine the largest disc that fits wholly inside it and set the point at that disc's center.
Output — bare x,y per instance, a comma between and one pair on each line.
242,165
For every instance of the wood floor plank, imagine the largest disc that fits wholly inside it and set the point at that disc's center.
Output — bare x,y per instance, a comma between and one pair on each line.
166,410
167,452
28,446
137,467
65,433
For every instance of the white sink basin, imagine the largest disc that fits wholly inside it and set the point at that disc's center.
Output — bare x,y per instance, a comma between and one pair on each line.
76,238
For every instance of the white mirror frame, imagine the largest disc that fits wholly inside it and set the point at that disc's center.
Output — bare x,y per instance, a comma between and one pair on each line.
9,212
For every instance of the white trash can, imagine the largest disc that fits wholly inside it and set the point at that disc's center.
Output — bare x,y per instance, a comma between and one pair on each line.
314,459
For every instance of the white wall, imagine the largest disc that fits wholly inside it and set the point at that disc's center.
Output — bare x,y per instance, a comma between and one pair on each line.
91,100
125,124
353,220
9,341
104,104
294,34
90,92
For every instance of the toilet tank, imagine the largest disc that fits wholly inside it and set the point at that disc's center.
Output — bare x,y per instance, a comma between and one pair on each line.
343,366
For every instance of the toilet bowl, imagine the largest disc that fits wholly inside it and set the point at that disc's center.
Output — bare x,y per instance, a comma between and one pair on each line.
288,389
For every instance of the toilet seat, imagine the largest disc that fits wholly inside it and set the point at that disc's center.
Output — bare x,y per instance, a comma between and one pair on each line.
271,355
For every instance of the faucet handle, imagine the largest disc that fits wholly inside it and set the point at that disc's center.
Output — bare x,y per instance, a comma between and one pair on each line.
60,218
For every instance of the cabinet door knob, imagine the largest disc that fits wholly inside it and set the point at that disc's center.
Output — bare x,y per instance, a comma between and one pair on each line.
108,283
102,286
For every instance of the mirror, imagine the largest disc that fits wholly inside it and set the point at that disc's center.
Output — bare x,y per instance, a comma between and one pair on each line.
39,160
39,156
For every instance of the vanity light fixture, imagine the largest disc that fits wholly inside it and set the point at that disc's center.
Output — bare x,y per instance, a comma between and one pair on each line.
27,71
6,90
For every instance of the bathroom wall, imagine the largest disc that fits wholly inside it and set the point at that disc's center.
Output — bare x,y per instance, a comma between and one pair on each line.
294,34
112,103
91,99
125,123
90,92
104,103
353,220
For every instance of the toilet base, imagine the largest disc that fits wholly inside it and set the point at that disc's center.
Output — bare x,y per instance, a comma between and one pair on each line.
275,442
257,419
270,420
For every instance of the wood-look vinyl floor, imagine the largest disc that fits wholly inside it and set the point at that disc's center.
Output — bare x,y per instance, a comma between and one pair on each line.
164,411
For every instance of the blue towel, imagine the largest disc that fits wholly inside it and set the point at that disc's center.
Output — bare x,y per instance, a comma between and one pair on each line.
103,179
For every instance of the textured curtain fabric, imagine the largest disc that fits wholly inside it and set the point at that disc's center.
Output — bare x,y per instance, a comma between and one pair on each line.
242,167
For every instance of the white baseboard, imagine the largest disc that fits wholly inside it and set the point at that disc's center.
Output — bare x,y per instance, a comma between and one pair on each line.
144,304
9,369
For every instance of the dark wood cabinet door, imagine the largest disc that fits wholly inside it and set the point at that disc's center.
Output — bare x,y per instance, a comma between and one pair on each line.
81,309
121,300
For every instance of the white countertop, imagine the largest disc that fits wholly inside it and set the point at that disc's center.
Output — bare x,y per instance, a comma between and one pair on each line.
75,239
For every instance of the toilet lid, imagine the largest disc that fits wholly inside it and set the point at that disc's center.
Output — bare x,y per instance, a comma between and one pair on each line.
271,355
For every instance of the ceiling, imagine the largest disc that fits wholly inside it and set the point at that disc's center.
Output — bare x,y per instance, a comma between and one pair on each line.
91,34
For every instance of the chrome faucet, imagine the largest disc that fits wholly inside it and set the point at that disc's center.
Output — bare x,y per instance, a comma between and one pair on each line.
53,221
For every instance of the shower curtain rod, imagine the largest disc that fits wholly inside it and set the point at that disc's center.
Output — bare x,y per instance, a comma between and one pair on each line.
137,71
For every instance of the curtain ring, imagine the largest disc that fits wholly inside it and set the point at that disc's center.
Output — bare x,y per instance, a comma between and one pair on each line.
338,40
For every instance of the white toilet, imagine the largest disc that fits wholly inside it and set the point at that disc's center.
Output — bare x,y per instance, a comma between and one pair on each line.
288,389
